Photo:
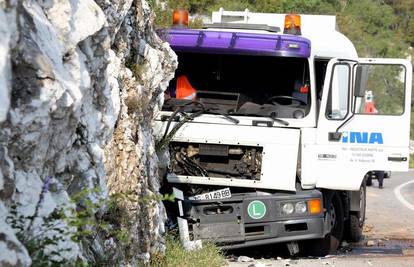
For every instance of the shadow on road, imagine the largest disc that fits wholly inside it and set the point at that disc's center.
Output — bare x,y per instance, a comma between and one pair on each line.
280,251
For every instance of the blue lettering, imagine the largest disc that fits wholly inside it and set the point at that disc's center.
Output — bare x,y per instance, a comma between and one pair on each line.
376,138
362,138
345,137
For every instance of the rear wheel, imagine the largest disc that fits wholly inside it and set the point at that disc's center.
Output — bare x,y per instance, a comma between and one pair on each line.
368,179
331,242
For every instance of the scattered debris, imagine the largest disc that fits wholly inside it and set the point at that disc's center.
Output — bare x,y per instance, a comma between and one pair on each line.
293,248
381,243
369,263
408,252
370,243
257,264
368,228
287,262
279,258
244,259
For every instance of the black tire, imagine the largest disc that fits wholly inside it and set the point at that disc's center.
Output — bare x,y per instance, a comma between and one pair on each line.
355,231
368,180
331,242
356,220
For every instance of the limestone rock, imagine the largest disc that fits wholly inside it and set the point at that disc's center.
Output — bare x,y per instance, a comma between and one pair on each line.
77,115
5,68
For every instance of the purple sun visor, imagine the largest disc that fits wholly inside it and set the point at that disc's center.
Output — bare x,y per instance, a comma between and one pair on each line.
210,41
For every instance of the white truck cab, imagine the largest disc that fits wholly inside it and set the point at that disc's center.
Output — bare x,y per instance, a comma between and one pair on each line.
276,143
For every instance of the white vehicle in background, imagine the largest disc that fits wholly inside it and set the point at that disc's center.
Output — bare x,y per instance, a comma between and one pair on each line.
276,144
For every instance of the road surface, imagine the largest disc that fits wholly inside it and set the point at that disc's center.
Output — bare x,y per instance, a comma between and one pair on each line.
390,211
389,229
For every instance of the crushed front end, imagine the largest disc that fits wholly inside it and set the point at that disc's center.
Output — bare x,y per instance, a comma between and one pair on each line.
251,218
233,216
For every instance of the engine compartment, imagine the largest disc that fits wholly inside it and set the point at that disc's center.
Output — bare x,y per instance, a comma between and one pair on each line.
216,160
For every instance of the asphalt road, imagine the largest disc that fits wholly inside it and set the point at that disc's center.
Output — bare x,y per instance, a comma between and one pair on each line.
389,231
390,211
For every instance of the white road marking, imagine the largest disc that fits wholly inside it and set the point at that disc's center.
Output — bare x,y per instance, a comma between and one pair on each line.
397,192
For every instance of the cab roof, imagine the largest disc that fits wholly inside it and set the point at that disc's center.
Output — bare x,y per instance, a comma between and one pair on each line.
320,30
236,41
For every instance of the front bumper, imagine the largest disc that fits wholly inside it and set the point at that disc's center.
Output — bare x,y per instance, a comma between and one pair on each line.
229,224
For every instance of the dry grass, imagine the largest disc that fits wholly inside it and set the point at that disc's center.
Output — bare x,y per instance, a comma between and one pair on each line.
176,256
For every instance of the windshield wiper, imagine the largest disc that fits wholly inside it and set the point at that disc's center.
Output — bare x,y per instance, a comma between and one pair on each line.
215,110
274,118
187,106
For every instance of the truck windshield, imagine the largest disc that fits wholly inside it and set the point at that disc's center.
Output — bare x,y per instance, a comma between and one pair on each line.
242,85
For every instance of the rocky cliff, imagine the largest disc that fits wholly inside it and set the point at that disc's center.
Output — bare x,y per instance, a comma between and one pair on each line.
80,84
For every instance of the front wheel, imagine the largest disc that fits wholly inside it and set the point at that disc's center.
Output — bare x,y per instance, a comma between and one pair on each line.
357,219
335,217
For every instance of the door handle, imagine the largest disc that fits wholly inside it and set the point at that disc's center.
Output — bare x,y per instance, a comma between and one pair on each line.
397,159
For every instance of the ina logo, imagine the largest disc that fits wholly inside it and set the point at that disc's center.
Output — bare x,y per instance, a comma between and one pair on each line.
362,138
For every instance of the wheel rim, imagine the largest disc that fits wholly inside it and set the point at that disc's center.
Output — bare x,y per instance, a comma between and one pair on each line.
333,216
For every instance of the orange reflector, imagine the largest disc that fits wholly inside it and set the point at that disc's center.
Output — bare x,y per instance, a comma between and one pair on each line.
180,17
292,24
314,206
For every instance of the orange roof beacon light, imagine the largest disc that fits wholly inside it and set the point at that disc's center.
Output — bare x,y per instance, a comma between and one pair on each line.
180,18
292,24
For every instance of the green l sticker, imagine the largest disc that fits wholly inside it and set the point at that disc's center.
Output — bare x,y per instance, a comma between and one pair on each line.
256,209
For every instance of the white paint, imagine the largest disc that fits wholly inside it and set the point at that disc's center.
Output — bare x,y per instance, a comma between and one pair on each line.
346,170
178,194
180,208
185,236
279,159
397,192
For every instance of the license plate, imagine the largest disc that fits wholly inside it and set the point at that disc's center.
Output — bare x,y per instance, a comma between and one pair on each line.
219,194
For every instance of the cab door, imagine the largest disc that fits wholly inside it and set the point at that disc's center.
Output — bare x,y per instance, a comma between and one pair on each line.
363,124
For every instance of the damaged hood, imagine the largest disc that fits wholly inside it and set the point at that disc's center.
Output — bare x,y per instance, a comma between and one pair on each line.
279,152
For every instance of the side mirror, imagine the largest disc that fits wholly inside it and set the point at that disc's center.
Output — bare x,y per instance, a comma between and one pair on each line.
334,136
361,80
